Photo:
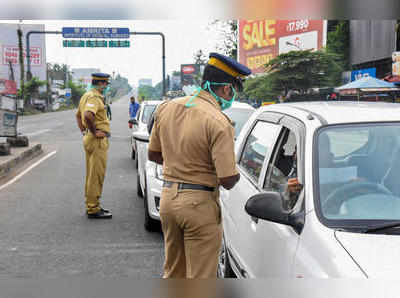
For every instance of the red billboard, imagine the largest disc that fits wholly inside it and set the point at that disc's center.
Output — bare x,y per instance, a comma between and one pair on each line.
8,87
262,40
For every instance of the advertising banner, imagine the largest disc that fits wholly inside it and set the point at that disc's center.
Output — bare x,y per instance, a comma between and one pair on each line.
8,87
262,40
396,64
362,73
191,75
9,51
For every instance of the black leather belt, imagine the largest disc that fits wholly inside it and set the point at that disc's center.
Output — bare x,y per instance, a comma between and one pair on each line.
188,186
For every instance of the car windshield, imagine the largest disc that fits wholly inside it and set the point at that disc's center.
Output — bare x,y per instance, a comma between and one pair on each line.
239,116
358,168
148,110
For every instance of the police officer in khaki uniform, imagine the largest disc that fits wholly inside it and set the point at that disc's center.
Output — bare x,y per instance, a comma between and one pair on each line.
95,126
194,141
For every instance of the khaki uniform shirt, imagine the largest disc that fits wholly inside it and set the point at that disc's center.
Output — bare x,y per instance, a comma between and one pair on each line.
197,143
93,101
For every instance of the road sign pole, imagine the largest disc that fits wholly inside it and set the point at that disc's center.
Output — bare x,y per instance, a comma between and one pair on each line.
163,53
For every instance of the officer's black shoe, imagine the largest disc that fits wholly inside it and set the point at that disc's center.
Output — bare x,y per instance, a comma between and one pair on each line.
105,210
100,215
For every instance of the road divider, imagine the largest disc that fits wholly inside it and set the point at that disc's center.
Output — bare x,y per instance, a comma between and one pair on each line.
16,178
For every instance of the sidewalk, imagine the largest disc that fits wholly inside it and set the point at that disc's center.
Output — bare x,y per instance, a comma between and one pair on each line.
18,156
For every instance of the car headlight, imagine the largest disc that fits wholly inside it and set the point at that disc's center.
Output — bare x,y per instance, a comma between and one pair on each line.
159,172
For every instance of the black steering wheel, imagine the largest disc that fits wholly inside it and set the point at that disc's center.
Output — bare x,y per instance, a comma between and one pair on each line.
350,190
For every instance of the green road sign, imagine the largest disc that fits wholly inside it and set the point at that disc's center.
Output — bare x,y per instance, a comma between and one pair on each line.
73,43
119,43
96,43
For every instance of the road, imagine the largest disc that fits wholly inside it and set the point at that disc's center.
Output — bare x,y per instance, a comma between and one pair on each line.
45,232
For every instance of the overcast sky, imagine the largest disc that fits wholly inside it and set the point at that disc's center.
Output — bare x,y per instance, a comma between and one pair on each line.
143,59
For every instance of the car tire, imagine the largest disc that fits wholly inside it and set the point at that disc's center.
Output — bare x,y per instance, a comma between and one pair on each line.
224,266
138,187
150,224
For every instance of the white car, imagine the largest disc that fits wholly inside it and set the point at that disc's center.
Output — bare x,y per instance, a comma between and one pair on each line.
140,125
151,179
345,220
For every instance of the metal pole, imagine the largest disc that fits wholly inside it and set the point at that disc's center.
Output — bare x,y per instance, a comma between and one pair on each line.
163,53
28,50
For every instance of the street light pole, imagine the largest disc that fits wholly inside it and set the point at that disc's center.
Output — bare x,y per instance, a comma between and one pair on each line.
163,53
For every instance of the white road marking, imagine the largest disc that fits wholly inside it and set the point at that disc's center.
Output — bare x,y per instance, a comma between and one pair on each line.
39,132
27,170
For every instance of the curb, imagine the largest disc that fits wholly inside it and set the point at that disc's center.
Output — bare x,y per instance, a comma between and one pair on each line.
24,156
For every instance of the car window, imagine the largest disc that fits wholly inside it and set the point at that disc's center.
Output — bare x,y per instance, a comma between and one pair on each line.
239,116
362,186
346,142
258,146
282,167
147,111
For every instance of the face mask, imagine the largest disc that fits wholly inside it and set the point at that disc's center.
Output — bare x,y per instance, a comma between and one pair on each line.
225,104
106,90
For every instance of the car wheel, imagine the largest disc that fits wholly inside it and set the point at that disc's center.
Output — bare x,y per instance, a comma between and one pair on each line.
150,224
224,269
138,187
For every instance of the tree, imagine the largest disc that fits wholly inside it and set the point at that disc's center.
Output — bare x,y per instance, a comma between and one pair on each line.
294,71
148,92
228,34
32,88
338,44
302,70
200,57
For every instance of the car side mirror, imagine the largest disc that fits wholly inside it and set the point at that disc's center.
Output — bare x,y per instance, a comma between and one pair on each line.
268,206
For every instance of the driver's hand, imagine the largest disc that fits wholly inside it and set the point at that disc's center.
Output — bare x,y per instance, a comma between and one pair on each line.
358,179
294,185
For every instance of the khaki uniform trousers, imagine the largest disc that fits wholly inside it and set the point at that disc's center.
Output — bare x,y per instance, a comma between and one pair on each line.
96,162
191,223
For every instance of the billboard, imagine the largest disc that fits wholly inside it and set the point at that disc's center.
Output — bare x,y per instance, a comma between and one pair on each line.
362,73
396,64
262,40
9,54
191,75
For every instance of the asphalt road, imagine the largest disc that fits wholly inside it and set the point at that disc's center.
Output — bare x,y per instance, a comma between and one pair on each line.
44,230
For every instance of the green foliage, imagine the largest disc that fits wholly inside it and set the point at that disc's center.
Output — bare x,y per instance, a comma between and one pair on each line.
296,70
148,92
32,88
77,91
259,88
119,87
338,44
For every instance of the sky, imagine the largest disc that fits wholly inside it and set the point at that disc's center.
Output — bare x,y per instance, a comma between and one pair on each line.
183,38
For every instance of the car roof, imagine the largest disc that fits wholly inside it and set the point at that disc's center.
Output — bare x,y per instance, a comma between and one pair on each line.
340,112
152,102
242,105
